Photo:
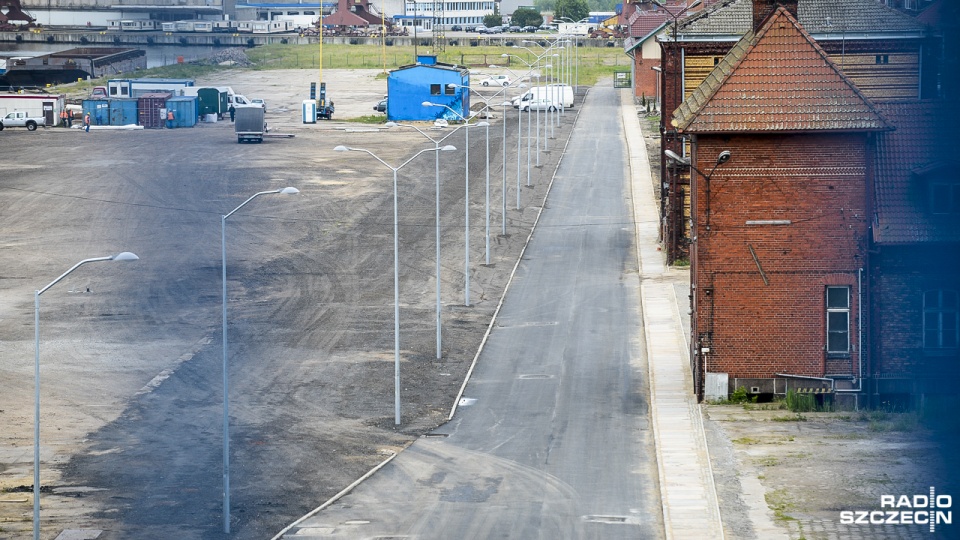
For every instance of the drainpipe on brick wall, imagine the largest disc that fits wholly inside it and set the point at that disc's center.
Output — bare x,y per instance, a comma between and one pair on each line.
859,387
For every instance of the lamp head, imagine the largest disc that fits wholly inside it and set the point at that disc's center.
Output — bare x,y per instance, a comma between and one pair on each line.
289,191
341,148
125,256
429,104
448,148
723,157
390,124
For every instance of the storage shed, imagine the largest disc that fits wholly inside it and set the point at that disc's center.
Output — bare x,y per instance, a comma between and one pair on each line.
428,80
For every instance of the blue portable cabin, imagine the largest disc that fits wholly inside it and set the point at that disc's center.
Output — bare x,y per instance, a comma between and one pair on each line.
185,110
428,80
123,112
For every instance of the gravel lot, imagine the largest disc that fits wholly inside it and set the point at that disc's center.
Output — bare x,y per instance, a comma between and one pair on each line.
131,353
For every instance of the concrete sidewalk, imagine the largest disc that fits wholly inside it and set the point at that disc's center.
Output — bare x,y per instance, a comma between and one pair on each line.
687,491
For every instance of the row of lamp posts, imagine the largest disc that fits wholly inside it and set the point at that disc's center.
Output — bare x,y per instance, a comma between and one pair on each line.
128,256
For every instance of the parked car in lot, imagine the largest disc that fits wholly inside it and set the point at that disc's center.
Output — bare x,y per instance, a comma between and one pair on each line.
381,106
494,30
515,29
529,29
496,80
260,103
456,28
480,29
542,104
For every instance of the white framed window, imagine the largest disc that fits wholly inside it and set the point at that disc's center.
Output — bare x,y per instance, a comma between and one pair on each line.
838,320
941,324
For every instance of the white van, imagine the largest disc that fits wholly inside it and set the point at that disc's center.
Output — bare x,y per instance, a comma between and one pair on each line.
561,94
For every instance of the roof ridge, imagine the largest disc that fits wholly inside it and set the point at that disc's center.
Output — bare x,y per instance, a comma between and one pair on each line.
853,111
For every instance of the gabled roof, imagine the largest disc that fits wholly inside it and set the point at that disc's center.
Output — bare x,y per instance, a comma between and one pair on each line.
777,80
835,17
906,160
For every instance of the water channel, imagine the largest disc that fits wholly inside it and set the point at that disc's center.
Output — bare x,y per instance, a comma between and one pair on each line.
157,56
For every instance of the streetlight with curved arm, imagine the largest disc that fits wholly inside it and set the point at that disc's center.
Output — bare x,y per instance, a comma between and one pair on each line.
123,257
486,103
396,263
226,372
466,197
436,144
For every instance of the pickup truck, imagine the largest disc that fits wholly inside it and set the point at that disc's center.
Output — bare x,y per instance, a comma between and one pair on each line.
22,119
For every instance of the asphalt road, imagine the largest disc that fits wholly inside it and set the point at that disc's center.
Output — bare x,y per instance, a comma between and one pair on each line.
550,439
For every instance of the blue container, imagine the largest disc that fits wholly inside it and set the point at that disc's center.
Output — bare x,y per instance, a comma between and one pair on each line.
185,110
98,109
123,112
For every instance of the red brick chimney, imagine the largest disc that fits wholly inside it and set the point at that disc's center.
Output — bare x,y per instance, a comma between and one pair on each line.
763,8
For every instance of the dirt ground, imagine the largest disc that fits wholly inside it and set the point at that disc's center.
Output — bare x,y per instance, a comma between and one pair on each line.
307,290
131,429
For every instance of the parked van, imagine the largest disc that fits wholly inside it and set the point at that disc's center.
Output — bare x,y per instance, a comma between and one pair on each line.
561,94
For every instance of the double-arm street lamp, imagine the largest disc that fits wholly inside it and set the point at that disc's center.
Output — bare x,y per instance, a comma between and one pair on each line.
124,256
466,197
226,373
436,145
486,103
396,263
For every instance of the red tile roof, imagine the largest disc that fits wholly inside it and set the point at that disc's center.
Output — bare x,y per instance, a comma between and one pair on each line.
902,201
777,80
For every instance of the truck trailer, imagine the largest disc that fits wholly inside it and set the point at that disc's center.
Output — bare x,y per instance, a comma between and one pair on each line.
250,125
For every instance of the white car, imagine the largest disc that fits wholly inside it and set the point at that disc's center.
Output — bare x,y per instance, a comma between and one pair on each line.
538,105
496,80
260,103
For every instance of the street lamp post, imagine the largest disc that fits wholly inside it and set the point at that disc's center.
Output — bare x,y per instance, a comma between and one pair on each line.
466,197
436,144
722,158
396,264
124,256
226,372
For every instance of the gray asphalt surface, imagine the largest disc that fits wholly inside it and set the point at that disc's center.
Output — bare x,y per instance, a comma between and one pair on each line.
550,439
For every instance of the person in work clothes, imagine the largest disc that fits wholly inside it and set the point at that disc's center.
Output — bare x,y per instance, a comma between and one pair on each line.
86,123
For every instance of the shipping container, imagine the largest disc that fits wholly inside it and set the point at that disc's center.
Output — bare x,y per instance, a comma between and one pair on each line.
98,109
148,108
123,112
184,111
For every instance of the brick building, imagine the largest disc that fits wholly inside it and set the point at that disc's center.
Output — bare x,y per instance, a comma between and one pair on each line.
825,223
879,49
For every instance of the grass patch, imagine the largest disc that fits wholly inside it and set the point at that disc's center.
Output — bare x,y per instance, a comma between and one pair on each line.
768,461
797,417
779,501
746,440
591,64
799,403
377,119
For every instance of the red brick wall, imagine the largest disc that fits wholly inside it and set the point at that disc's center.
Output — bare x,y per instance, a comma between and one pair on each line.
645,78
818,183
900,276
